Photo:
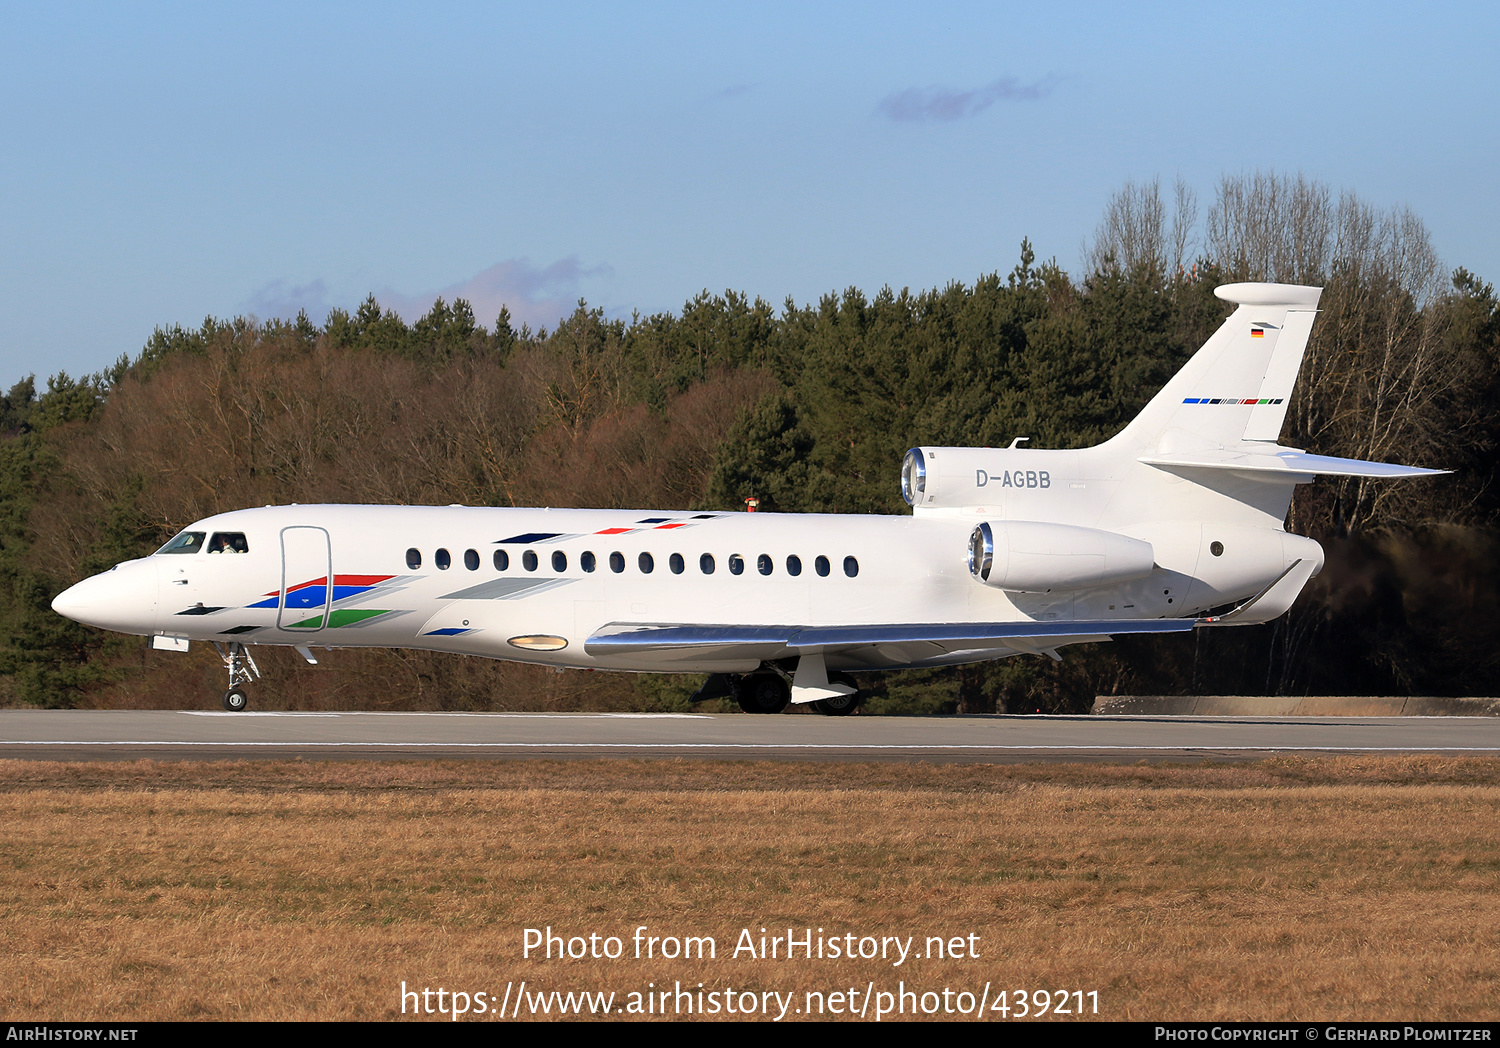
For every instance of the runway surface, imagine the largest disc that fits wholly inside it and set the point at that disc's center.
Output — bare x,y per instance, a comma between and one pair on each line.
204,735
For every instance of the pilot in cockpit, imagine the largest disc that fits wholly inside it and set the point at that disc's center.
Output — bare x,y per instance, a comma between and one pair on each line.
228,542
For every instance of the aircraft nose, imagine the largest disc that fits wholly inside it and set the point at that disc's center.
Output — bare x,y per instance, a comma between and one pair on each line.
122,599
72,602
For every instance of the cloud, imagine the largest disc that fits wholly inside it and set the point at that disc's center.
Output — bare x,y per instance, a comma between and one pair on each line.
276,299
942,103
535,296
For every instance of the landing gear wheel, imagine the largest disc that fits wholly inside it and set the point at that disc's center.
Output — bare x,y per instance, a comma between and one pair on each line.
763,693
242,670
840,705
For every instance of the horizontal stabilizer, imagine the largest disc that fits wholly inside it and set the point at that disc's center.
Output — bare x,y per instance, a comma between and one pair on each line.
1284,463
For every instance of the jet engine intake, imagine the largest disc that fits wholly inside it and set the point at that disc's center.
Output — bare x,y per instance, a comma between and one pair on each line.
1025,556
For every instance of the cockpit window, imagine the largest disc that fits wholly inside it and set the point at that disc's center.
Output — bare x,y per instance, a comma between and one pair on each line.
228,542
187,542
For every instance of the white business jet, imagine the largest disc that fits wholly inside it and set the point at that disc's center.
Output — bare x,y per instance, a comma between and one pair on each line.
1175,523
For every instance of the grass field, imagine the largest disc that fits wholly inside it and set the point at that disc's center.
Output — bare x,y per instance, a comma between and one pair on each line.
1308,889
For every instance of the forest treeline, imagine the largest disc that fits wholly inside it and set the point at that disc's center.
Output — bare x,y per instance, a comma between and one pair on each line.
807,408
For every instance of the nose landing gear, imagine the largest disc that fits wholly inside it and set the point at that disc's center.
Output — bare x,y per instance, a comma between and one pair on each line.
242,670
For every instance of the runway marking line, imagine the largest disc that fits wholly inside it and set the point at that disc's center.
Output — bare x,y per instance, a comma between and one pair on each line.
764,746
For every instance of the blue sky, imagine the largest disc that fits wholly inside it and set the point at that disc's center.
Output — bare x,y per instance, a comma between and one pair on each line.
163,162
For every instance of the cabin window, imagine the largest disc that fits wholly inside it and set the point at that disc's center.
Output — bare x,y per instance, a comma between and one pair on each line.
502,560
413,558
617,562
763,564
821,566
706,563
736,564
647,563
471,559
528,560
851,567
233,542
586,560
442,559
794,565
559,560
187,542
675,562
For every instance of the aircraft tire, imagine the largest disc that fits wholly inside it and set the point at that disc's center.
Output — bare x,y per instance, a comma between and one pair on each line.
235,700
840,705
763,693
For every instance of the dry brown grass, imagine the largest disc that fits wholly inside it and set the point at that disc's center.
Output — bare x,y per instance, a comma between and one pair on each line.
1356,888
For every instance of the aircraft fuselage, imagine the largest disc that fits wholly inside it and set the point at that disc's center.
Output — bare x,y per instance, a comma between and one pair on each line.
491,581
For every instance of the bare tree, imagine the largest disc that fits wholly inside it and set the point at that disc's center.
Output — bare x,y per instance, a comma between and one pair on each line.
1377,369
1135,232
1273,227
1184,221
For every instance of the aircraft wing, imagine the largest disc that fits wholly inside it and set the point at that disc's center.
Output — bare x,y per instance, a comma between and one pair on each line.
850,647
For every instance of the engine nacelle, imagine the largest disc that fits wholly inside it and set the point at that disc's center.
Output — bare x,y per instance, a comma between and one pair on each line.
950,478
1026,556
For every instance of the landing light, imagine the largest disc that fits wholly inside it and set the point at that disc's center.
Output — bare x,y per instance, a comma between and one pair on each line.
539,642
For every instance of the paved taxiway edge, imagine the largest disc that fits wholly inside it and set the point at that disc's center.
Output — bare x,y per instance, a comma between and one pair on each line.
201,735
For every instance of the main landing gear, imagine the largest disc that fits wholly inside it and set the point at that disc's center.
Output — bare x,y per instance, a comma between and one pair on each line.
242,670
763,693
840,705
770,691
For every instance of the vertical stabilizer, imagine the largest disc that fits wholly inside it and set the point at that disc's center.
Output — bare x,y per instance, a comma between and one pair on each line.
1237,387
